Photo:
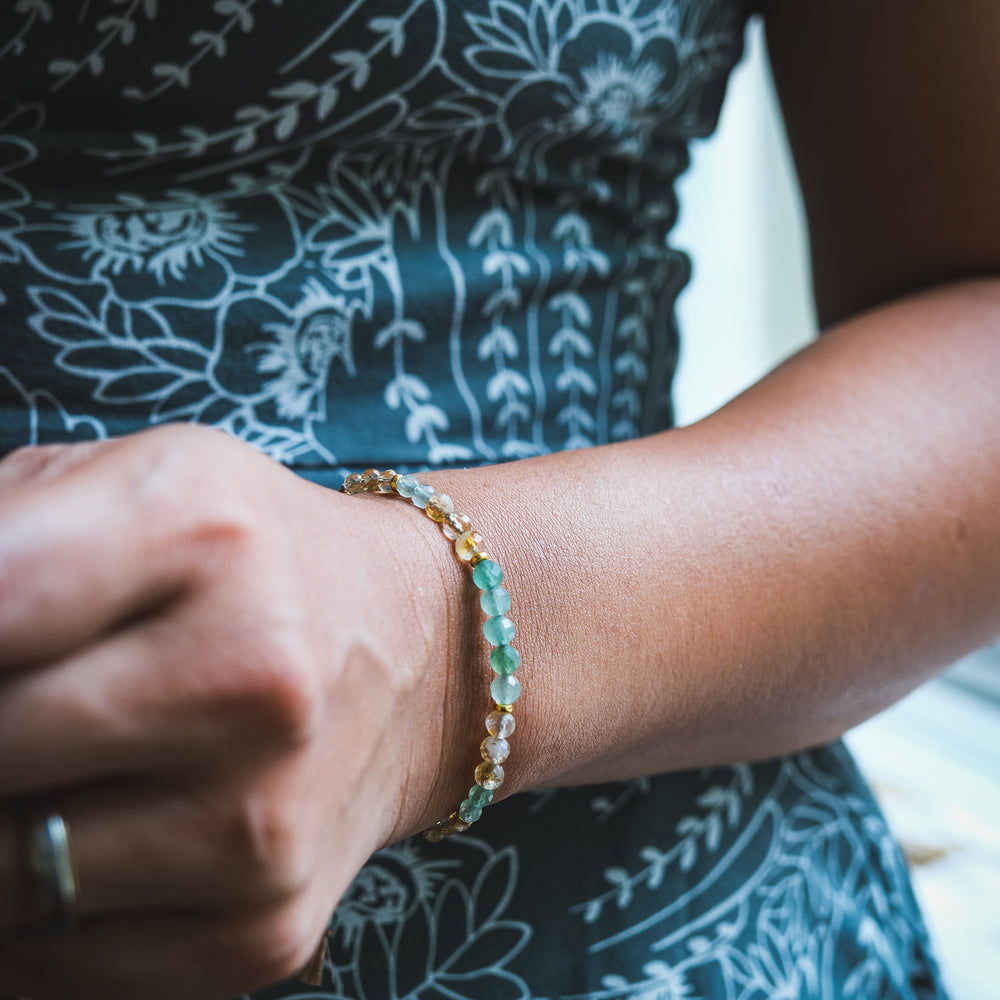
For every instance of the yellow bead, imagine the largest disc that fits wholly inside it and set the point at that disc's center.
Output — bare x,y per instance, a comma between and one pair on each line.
489,775
369,480
439,507
468,544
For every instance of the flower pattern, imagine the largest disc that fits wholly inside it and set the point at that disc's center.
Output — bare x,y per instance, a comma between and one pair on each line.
427,233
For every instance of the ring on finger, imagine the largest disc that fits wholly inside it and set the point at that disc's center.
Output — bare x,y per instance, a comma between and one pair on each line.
49,868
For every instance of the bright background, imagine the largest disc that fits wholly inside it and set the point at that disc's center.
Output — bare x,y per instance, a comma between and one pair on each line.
934,759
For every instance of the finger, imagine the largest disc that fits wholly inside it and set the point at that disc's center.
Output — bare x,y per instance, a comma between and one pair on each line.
175,693
147,844
162,956
104,540
35,463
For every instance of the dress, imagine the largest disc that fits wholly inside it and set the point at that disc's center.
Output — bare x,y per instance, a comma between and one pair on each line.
430,233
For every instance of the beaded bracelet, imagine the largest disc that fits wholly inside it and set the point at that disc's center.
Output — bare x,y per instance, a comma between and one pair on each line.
498,629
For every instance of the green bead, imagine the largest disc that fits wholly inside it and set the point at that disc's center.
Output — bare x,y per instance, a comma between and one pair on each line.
499,630
479,796
469,812
505,660
405,485
495,601
487,575
505,689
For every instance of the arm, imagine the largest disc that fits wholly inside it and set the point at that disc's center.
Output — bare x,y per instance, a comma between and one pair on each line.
799,560
238,685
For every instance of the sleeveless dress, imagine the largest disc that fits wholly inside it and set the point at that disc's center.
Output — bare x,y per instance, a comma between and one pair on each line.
430,233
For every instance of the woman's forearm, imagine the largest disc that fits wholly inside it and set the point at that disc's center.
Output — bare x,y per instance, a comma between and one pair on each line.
764,579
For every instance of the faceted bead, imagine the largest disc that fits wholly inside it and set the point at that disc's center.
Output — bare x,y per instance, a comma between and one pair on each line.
495,601
422,494
505,660
480,796
405,485
505,689
457,823
439,507
435,834
469,812
500,724
455,525
489,775
487,575
498,630
369,480
495,749
352,484
385,480
467,544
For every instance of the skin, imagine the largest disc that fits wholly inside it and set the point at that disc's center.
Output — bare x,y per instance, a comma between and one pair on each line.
239,685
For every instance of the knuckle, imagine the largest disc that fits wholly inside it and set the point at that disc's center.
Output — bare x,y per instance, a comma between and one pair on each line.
262,845
283,688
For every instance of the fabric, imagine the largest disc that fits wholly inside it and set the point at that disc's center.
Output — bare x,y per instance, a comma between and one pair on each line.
426,233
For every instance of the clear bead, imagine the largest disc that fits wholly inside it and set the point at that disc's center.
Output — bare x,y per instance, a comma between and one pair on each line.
352,484
369,480
489,775
455,525
468,544
500,724
385,480
422,494
439,507
405,485
495,749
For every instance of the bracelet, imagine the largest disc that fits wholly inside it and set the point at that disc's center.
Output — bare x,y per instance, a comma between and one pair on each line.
498,630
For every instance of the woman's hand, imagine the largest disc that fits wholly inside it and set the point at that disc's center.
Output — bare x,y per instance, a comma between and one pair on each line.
221,678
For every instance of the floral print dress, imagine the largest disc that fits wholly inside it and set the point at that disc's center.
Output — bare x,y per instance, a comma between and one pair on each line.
430,233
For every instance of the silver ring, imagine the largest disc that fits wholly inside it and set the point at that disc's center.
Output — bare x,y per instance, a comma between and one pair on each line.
49,862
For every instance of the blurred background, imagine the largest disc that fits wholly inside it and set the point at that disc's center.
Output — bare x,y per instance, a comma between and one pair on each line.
934,759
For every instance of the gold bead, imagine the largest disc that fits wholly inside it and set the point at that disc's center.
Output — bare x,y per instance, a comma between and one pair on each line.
478,557
503,708
395,482
458,825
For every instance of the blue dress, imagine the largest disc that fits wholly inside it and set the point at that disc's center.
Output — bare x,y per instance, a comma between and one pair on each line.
430,233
